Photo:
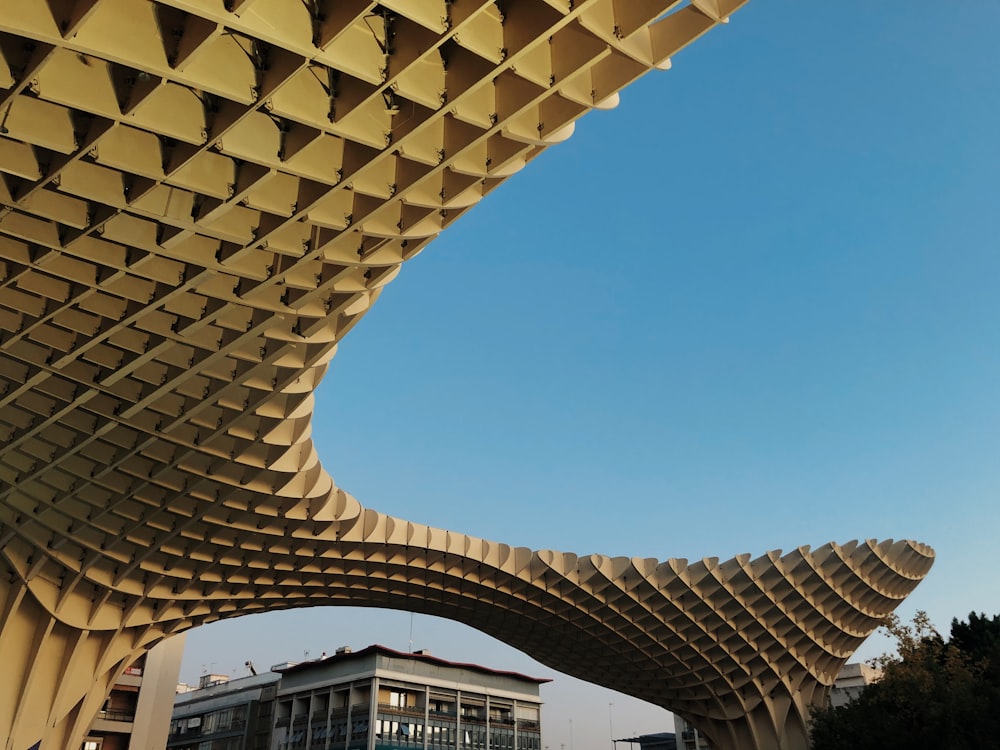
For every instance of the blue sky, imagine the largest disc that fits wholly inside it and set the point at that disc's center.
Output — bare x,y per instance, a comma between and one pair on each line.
753,307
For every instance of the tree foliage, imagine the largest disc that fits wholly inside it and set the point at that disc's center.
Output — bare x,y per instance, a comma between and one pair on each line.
934,694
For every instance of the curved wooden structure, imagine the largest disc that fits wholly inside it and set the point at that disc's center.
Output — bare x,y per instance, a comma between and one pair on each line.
199,198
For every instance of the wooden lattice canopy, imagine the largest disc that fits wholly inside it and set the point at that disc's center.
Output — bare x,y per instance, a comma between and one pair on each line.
198,199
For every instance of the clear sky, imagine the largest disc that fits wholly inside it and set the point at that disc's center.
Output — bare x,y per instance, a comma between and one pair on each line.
754,307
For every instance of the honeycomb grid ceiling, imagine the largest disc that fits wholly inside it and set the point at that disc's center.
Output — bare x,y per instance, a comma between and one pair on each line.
198,199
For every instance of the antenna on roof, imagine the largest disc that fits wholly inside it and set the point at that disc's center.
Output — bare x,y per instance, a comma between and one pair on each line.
249,665
410,649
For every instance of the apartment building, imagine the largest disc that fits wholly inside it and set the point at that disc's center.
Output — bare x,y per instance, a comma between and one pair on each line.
380,699
373,699
136,714
224,714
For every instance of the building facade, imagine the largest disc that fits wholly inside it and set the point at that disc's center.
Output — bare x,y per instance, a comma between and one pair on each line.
136,714
224,714
688,736
374,699
851,680
380,699
657,741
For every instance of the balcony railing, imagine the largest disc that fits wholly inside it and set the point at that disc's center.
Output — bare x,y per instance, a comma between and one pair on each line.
112,714
388,708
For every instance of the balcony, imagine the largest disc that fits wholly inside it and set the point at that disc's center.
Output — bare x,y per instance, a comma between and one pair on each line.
388,708
116,715
113,721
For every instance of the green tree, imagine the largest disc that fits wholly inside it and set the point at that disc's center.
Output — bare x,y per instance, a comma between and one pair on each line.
934,694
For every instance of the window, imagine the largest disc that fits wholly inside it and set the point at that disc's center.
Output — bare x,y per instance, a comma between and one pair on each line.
359,729
475,737
528,713
209,722
92,745
339,730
